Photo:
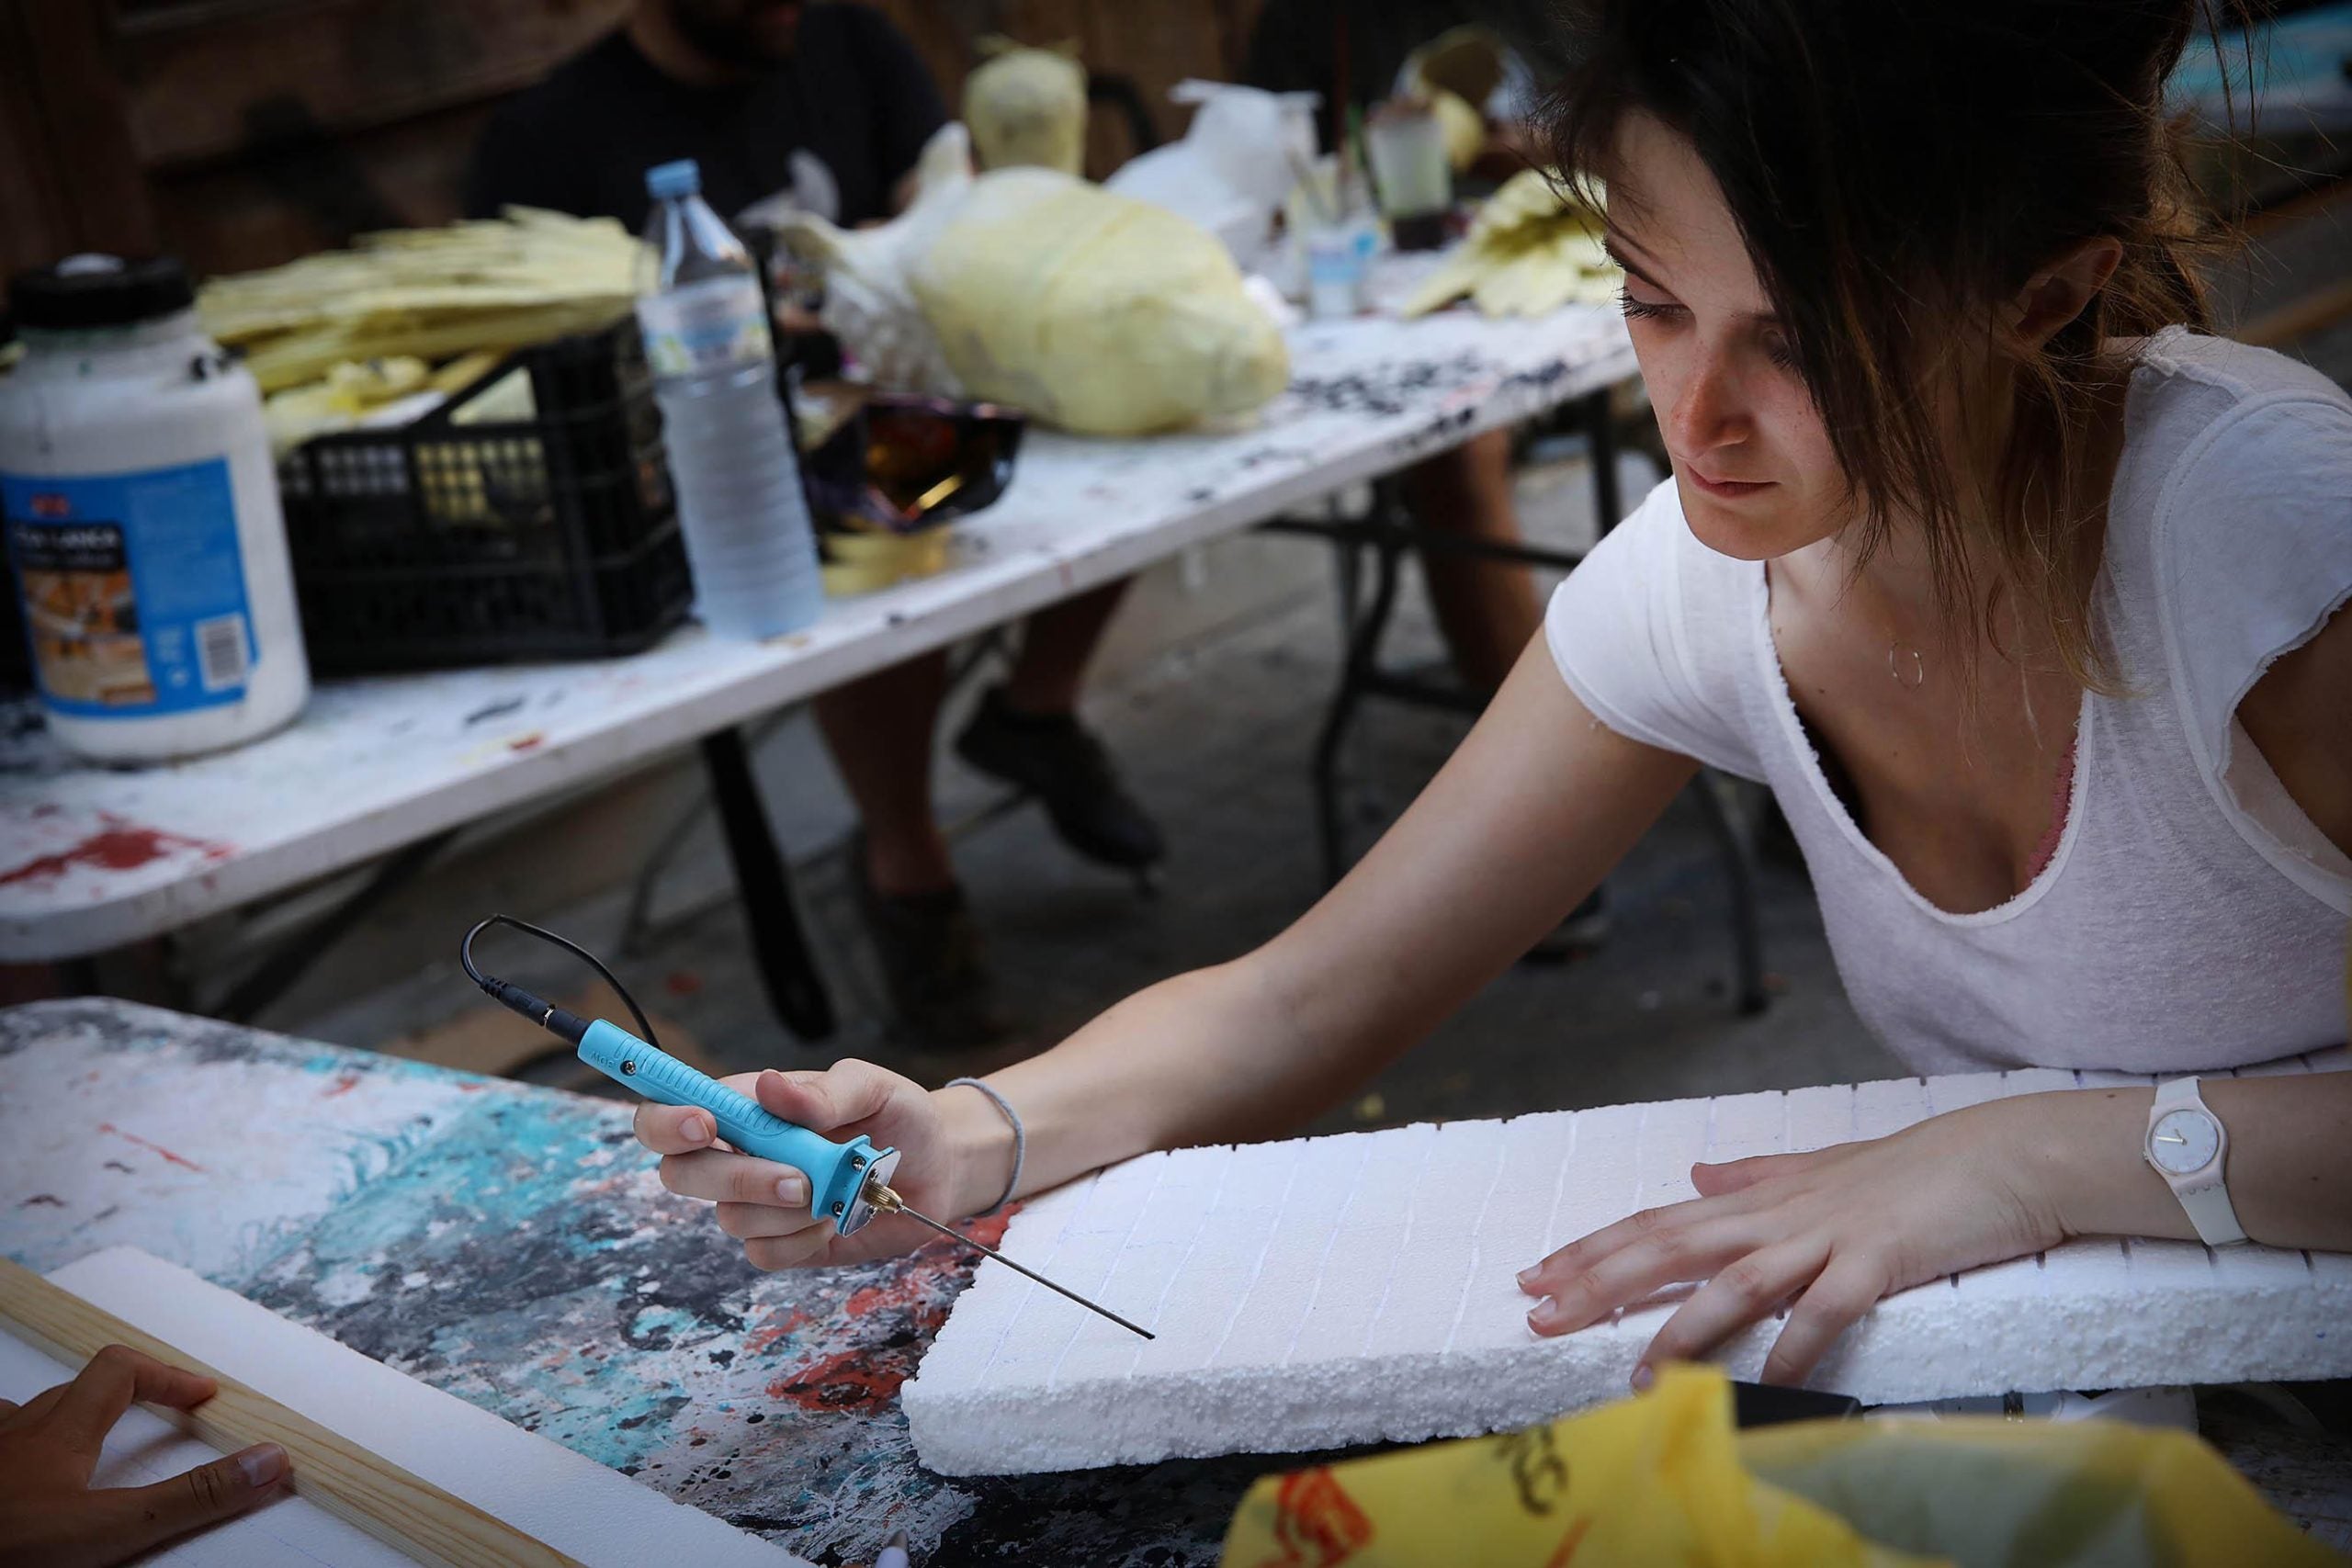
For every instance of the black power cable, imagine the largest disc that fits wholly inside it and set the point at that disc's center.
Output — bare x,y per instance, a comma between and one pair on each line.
569,1026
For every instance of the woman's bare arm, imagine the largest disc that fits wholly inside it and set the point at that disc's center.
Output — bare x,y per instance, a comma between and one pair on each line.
1528,815
1525,820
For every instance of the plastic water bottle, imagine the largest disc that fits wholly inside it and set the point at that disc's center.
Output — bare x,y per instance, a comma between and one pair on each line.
732,464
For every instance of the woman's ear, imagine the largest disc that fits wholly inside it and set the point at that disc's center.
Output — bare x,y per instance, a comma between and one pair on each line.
2060,291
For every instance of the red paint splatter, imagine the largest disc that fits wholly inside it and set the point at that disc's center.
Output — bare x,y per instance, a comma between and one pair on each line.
910,1306
768,1333
850,1380
156,1148
525,742
990,1232
117,845
343,1085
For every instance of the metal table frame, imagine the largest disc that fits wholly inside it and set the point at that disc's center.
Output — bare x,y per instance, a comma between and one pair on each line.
1388,533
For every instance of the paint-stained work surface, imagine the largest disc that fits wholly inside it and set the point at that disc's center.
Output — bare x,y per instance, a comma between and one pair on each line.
508,1244
512,1246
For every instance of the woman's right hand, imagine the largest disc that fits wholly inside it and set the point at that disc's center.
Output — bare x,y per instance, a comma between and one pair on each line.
766,1206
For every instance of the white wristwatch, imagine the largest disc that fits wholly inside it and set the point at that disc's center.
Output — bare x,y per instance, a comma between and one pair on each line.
2189,1148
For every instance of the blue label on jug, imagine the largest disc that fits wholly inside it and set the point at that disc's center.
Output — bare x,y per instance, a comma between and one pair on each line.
133,589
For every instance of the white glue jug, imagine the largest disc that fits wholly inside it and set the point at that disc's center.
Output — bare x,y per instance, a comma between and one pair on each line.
142,524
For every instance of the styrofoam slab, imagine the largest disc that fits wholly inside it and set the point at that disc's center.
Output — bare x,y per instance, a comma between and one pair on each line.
1324,1291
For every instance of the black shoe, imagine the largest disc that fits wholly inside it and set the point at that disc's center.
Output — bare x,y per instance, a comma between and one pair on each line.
1065,768
930,952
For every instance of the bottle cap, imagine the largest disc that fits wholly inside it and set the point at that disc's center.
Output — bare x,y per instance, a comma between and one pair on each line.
90,290
680,178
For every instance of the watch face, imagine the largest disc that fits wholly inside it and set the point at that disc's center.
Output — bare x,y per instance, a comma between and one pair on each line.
2184,1140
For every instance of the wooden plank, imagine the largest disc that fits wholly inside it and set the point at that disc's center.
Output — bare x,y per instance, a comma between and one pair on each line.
82,188
2303,317
397,1508
234,218
34,225
194,74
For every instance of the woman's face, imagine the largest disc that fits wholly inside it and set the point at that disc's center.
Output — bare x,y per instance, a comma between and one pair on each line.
1751,460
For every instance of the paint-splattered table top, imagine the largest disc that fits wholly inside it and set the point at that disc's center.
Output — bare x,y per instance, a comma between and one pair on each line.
511,1245
92,858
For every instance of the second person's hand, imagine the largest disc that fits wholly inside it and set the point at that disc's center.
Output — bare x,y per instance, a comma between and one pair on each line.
766,1206
50,1447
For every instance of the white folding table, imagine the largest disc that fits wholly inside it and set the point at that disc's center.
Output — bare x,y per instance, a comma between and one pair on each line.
94,859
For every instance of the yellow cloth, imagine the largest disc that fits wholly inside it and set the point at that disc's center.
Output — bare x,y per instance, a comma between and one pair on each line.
1665,1479
1528,252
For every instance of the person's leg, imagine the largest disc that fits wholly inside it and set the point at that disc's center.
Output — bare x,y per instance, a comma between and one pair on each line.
1054,647
879,732
1486,609
1027,734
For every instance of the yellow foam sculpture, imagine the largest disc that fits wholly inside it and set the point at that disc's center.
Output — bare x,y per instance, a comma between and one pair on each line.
1088,309
1027,106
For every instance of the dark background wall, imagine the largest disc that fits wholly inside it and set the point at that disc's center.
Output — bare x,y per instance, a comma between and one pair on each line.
238,133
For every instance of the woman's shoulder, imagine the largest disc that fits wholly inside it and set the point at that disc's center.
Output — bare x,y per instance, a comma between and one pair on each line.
2231,452
1651,632
2201,399
2241,369
2230,530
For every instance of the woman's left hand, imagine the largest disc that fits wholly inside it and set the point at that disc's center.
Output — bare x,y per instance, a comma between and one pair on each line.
1832,1230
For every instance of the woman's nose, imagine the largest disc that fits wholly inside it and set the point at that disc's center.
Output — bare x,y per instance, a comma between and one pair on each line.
1708,408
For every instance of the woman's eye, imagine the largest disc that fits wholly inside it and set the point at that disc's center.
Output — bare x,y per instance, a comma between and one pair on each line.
1777,350
1643,309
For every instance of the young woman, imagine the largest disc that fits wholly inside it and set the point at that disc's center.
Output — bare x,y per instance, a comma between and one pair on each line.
2021,594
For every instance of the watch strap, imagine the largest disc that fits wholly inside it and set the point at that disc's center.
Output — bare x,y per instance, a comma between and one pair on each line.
2211,1212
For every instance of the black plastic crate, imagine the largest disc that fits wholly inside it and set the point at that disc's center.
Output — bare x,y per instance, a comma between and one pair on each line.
440,543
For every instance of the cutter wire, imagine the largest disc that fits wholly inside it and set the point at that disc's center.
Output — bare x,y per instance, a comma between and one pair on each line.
889,1202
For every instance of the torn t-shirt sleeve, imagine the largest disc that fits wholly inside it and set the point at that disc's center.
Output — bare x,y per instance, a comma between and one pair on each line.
1650,631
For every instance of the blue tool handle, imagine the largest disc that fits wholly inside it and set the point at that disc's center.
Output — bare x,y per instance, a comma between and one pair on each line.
836,1172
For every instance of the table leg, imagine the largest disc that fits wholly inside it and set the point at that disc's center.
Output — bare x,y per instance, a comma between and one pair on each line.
1355,678
794,990
1739,869
278,972
1600,435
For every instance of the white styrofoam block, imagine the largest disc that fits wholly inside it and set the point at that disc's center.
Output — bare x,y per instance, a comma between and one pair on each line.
1359,1288
1889,1106
1741,1127
1820,1116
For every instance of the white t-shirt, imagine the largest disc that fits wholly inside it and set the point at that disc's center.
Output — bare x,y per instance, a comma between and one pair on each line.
2190,918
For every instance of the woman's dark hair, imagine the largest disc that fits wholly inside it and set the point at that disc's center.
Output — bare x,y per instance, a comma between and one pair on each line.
1897,168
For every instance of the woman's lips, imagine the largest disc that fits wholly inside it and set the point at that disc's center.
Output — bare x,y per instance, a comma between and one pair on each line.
1727,488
